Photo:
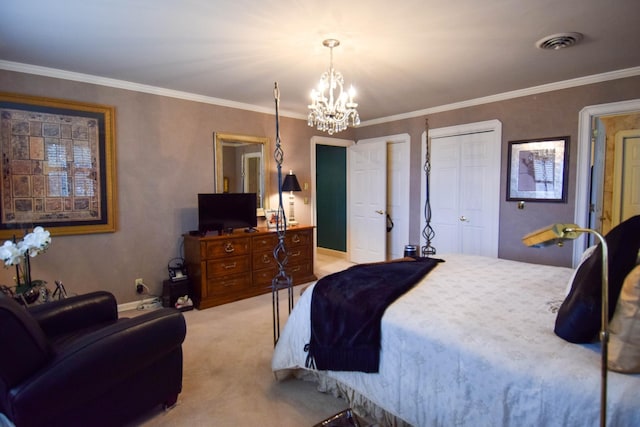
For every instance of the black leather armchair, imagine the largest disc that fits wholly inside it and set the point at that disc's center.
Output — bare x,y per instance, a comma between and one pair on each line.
73,362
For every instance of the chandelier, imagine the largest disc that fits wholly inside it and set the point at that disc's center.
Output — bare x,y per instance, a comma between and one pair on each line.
332,111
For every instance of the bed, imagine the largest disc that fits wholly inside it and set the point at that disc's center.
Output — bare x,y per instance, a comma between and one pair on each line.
472,344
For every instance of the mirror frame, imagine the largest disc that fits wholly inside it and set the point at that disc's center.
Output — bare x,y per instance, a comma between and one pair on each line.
218,176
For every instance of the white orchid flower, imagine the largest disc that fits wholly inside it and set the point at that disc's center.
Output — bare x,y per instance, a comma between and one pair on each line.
10,253
35,242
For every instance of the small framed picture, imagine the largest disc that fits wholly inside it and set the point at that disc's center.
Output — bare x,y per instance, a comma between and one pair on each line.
273,218
537,170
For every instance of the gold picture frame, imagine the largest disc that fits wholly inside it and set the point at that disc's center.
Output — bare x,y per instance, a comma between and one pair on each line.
58,167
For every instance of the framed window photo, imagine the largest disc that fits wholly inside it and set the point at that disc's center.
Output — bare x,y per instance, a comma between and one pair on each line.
58,166
537,170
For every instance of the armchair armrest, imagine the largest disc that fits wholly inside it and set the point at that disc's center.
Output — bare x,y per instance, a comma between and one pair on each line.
105,357
76,312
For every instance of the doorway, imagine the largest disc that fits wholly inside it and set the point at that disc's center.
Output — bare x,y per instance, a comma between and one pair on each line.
586,199
396,192
331,197
626,176
329,208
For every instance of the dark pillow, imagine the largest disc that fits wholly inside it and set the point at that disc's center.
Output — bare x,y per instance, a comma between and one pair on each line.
579,316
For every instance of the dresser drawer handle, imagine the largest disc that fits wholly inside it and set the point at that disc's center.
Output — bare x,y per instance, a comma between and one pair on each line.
230,266
295,238
294,254
228,248
295,269
266,259
228,284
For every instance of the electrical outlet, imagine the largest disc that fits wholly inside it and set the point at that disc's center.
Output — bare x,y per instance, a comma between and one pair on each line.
139,284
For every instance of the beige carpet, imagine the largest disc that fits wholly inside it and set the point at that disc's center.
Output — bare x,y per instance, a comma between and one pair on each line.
227,378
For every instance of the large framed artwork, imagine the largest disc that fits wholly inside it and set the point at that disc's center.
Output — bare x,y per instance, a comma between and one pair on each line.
58,166
537,170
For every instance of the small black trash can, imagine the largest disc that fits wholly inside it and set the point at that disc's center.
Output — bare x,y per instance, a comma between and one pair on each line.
411,251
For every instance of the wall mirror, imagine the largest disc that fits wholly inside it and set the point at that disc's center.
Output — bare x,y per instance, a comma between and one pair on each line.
241,165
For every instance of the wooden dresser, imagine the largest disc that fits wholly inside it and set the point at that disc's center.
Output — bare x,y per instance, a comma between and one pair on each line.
231,267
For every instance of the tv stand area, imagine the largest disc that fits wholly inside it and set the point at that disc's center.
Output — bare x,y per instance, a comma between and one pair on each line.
240,265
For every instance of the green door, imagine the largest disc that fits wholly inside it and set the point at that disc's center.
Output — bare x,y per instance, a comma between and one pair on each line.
331,197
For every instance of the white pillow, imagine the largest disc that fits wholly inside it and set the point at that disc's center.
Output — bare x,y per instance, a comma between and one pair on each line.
624,329
585,256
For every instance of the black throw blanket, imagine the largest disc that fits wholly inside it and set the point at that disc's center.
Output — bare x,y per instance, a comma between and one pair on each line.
346,310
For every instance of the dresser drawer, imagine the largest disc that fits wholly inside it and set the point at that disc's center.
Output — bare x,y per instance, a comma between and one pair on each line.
301,273
295,255
264,260
298,254
262,278
227,248
292,238
227,266
264,243
298,238
228,285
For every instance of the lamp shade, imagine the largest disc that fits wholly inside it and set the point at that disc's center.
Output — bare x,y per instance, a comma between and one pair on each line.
290,183
552,235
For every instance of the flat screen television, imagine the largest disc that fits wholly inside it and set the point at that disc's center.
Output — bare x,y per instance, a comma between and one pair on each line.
222,211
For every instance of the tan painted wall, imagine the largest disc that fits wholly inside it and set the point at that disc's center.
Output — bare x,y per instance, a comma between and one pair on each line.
164,151
548,114
165,157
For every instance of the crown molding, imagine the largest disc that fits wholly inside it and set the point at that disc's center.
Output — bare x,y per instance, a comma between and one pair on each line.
137,87
565,84
122,84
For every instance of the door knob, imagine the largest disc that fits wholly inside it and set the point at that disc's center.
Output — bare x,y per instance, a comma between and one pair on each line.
463,219
380,212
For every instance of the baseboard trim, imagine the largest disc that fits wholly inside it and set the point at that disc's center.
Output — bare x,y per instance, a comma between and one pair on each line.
332,252
144,304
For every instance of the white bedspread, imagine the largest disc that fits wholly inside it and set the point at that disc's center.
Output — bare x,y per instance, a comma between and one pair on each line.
473,345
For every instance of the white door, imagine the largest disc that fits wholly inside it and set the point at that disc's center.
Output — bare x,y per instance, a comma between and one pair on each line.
367,201
626,178
398,196
465,188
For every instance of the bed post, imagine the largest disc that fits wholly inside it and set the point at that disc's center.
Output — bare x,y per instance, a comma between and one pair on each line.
282,280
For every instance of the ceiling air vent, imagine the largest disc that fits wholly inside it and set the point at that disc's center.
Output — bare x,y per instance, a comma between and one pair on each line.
559,41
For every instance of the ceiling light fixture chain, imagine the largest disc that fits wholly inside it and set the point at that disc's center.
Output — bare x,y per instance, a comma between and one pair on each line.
331,112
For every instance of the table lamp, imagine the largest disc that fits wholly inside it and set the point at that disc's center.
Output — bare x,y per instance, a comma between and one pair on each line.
290,184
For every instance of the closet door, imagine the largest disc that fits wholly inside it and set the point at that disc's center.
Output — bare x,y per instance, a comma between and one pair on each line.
465,193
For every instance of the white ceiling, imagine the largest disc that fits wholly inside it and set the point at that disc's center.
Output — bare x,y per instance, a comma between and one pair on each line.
401,56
